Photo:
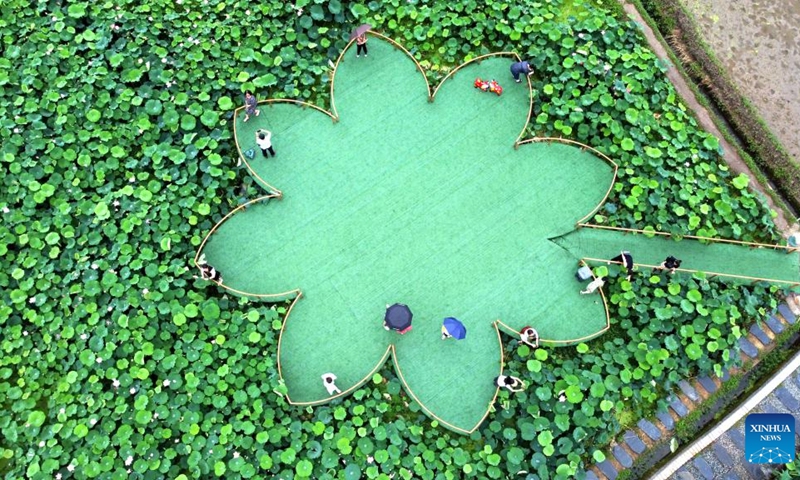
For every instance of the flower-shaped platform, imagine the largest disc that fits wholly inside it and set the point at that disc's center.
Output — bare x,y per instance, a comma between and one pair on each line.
392,197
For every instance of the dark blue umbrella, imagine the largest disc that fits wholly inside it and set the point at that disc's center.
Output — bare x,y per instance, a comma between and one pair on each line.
398,317
455,328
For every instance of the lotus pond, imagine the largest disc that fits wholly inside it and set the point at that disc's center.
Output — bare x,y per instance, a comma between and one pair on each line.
118,155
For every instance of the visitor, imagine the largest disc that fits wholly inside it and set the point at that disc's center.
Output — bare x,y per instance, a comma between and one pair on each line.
670,263
445,334
626,259
512,384
594,285
361,45
519,68
327,380
264,141
207,272
529,336
250,105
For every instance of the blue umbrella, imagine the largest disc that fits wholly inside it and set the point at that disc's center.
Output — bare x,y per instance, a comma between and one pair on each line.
455,328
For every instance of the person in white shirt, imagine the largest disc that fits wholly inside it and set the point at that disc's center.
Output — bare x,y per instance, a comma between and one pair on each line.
327,380
207,272
594,285
513,384
530,336
264,141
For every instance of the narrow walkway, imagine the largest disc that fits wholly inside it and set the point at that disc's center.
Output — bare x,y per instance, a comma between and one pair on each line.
726,259
722,459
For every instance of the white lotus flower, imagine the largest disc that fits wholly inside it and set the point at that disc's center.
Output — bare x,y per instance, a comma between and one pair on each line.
115,383
166,383
129,460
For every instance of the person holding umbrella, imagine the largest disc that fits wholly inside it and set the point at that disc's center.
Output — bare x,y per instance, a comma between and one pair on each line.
398,318
360,34
361,45
453,328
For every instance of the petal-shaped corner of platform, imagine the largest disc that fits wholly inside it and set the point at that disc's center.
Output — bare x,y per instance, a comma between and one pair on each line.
479,118
572,181
298,139
452,380
553,303
388,73
318,338
234,248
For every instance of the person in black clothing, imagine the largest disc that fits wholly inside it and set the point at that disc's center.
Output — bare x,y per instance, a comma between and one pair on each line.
512,384
626,259
671,263
207,272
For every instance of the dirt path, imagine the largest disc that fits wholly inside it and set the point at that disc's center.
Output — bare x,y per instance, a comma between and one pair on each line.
703,116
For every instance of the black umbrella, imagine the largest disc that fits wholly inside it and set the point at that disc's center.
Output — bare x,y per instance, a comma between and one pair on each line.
398,317
360,30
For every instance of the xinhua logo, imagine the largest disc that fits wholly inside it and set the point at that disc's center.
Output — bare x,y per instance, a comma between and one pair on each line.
769,438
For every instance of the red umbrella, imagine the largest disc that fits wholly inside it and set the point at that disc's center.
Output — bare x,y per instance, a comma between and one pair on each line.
360,30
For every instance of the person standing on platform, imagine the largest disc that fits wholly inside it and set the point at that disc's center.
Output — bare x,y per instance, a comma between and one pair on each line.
671,263
512,384
264,141
328,380
626,259
529,336
519,68
361,45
